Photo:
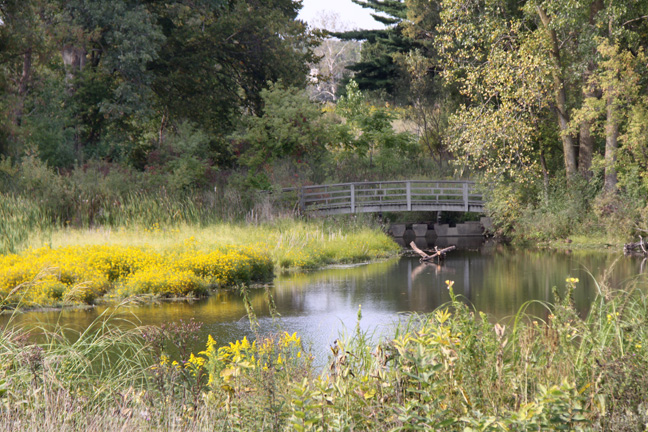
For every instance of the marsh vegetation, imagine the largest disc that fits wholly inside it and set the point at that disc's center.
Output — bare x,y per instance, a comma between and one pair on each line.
452,369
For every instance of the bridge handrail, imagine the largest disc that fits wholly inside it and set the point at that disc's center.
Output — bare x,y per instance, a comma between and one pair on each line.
362,195
384,182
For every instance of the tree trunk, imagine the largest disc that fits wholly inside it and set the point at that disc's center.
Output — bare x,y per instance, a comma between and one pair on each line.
586,140
585,149
611,127
25,77
74,60
569,150
611,144
545,175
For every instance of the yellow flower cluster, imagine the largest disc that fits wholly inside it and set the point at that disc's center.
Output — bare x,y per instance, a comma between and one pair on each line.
233,361
162,280
48,276
224,268
612,317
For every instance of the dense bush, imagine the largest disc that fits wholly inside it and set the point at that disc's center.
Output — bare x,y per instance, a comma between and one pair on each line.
534,212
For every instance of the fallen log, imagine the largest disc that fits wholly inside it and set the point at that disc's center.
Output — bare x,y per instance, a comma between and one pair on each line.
439,253
640,246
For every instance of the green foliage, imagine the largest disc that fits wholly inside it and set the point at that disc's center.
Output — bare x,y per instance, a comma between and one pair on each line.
217,58
618,214
563,211
505,80
96,80
186,154
368,135
50,135
537,81
291,128
111,90
505,204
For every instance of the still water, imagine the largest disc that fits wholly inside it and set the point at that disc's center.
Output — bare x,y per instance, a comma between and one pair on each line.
322,305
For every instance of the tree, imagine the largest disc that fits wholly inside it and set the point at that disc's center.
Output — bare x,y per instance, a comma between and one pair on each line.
219,57
367,132
377,69
504,80
619,79
334,55
22,44
532,60
430,102
107,79
291,128
112,95
603,32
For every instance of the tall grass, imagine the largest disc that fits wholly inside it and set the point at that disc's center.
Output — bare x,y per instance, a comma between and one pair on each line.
452,369
55,378
291,243
37,200
18,218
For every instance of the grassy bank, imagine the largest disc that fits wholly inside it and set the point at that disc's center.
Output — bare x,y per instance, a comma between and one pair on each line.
81,266
449,370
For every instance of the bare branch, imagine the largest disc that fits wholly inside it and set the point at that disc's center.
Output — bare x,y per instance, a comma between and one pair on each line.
634,19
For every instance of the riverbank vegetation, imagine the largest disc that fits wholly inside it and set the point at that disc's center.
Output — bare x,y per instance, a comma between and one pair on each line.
452,369
83,266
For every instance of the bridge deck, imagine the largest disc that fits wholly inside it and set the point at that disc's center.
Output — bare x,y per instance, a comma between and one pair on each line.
391,196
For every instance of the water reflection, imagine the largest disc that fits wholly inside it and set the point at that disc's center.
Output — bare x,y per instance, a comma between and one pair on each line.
319,305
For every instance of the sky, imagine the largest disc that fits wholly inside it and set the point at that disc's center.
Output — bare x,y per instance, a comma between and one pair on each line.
351,15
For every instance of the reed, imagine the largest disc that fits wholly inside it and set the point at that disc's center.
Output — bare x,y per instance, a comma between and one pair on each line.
18,218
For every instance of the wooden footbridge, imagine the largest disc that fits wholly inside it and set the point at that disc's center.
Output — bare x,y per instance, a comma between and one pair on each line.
390,196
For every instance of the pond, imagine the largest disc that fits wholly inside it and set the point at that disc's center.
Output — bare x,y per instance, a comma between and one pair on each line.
320,305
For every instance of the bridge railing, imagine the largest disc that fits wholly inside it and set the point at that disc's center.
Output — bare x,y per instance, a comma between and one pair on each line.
406,195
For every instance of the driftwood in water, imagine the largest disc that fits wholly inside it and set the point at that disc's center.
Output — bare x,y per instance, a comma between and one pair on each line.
640,246
439,253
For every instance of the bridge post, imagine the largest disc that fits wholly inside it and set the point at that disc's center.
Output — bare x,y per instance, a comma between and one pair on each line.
408,193
465,196
302,201
352,198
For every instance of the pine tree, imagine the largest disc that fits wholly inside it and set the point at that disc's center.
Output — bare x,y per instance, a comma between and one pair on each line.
377,69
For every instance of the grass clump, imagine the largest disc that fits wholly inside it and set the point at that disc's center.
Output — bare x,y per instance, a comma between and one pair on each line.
310,245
